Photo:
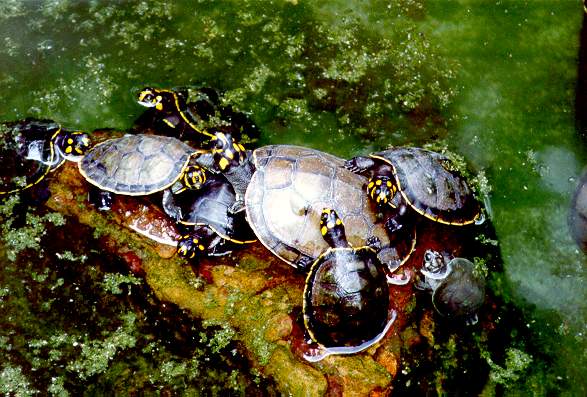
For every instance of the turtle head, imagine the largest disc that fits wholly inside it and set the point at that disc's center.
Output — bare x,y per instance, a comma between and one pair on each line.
194,177
332,229
72,144
227,151
381,189
193,244
435,264
151,98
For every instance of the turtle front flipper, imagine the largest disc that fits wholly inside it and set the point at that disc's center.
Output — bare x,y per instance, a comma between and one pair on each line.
359,164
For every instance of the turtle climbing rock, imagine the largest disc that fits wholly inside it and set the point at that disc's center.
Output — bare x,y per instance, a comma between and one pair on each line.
346,303
423,180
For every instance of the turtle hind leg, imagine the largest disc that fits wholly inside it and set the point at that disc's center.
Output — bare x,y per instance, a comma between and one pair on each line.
359,164
101,199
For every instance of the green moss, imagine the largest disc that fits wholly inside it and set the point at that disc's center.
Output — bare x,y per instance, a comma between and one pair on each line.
13,382
113,281
516,364
95,355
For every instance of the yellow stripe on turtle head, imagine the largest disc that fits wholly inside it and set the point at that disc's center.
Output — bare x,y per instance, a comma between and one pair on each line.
223,163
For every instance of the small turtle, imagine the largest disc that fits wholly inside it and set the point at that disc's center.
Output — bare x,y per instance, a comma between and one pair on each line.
213,229
31,149
457,290
179,118
346,304
173,112
420,179
137,165
285,197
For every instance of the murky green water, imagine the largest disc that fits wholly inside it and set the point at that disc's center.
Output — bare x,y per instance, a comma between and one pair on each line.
493,80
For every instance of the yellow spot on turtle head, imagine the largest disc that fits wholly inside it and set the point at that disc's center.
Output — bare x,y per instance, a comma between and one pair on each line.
323,230
378,182
195,240
68,149
370,185
159,107
185,236
223,163
69,141
388,184
79,151
241,147
192,255
339,221
201,247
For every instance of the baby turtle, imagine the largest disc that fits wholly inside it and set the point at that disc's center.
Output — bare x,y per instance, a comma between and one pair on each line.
285,197
31,149
346,297
423,180
212,228
137,165
457,290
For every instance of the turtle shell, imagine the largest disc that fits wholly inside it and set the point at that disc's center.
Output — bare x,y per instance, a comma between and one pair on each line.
289,189
136,164
27,153
429,185
346,298
462,292
209,206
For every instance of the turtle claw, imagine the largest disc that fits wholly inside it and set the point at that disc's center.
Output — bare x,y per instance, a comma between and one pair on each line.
374,242
237,207
351,166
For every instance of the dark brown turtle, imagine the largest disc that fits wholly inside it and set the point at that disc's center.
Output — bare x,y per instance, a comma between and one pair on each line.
346,298
285,197
420,179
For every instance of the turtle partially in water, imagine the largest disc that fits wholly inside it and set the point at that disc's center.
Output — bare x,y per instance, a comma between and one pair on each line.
346,303
31,149
421,180
285,197
457,289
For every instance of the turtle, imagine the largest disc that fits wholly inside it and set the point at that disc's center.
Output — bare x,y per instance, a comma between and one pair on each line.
174,116
346,305
285,197
33,148
457,289
171,105
577,218
139,165
212,228
420,179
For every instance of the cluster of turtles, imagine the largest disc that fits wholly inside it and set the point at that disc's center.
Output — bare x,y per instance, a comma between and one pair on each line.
348,225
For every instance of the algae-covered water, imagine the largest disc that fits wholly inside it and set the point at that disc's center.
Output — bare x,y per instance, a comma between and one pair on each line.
493,81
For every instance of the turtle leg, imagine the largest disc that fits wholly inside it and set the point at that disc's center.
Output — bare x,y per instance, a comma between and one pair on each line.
359,164
101,199
169,206
396,224
303,263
